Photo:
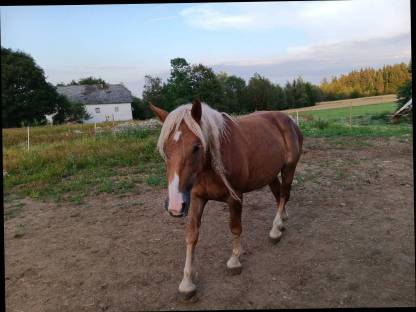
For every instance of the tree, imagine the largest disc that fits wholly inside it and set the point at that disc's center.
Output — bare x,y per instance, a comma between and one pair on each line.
141,109
89,81
26,96
404,92
205,86
233,88
153,92
178,89
260,94
68,111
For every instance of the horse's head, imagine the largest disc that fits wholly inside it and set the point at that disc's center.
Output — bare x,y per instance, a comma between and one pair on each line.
184,156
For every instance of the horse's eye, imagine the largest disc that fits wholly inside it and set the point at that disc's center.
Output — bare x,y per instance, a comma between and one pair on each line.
196,148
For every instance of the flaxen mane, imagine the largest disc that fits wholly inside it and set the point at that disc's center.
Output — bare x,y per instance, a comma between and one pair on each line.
212,129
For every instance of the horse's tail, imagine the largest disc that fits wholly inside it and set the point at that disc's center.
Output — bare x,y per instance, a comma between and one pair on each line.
294,141
299,137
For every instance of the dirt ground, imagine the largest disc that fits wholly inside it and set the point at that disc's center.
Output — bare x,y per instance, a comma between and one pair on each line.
349,242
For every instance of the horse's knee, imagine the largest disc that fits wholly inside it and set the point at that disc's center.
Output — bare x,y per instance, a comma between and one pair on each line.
192,237
286,191
236,230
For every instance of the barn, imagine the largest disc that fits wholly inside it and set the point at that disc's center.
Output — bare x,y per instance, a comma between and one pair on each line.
103,102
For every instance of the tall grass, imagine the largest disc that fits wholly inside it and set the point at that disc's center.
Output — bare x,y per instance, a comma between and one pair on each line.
51,164
50,134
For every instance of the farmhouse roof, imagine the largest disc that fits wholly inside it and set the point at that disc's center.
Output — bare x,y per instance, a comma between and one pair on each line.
96,94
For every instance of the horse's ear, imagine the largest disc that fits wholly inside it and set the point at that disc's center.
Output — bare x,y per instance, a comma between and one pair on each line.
196,111
160,113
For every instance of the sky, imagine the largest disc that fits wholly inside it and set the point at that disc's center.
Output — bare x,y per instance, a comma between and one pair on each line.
279,40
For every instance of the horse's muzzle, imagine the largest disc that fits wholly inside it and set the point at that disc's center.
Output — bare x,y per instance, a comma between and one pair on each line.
186,199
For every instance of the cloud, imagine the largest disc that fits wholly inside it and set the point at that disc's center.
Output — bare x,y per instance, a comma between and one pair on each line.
315,62
324,21
207,16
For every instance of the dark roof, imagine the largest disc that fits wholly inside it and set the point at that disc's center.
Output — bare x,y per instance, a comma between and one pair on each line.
97,94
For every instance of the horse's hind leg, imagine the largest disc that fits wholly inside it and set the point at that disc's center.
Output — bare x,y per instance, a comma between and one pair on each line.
233,264
275,233
275,188
283,192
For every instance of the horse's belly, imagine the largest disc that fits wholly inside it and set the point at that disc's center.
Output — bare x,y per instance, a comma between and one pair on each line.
263,171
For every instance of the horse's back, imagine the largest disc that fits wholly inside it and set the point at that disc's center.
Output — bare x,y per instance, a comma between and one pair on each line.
277,126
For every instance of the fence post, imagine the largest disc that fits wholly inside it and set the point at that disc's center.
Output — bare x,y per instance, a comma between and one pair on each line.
297,118
95,128
114,132
350,116
28,138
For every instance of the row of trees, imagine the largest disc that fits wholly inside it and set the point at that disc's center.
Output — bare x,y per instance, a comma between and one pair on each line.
366,82
224,92
232,94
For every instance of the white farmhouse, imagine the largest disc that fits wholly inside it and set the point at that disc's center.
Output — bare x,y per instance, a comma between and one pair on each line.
102,102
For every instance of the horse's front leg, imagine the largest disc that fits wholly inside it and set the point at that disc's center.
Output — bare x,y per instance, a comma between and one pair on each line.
187,288
233,264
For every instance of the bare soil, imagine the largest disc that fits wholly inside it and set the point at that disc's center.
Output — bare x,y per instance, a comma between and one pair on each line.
349,242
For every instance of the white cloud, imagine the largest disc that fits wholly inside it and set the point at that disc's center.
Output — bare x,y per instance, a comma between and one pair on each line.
324,21
208,17
315,62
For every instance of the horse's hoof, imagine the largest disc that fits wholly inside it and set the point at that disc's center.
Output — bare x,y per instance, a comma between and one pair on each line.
275,239
187,296
235,270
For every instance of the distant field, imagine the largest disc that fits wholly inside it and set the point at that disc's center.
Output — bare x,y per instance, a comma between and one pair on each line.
371,100
339,113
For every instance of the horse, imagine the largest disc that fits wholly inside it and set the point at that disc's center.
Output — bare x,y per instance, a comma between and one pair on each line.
210,155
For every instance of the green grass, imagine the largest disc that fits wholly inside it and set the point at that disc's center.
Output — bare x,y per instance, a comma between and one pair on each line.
335,129
73,167
57,133
343,113
367,121
70,169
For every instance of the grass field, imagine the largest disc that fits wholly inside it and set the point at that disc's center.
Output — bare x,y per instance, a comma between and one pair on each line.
371,100
356,111
366,121
63,164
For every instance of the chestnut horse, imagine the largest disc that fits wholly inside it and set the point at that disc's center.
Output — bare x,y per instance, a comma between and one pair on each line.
212,156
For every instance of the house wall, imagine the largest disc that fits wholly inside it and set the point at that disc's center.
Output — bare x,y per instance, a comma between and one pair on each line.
107,111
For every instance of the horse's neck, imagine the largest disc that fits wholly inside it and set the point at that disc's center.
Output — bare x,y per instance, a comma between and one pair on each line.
230,140
233,145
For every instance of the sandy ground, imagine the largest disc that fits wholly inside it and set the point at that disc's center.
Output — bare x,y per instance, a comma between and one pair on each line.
349,242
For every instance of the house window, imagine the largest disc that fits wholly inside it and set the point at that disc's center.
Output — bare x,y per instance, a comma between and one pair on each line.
116,109
97,110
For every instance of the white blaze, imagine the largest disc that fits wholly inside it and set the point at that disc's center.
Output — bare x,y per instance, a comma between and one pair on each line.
177,136
175,197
